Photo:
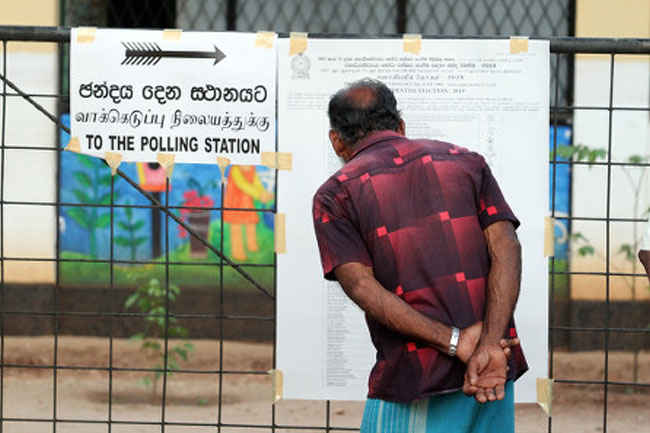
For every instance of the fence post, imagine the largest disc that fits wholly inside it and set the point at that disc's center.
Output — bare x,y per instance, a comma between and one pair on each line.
401,15
231,15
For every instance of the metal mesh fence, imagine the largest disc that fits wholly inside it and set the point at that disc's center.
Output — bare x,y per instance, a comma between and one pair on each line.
58,304
446,17
538,18
606,166
491,17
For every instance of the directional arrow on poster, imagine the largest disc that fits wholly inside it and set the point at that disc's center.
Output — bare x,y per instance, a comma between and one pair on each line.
149,53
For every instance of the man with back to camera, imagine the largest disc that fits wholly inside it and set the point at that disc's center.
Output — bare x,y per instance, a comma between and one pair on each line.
419,235
644,249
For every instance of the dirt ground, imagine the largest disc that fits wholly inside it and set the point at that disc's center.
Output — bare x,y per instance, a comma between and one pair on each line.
191,398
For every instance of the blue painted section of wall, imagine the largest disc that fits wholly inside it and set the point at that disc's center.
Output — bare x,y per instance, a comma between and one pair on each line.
562,191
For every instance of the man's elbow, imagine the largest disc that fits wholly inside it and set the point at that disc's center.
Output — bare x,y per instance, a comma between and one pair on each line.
516,246
354,279
359,293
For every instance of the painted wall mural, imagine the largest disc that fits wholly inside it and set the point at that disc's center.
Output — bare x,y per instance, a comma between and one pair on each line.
140,237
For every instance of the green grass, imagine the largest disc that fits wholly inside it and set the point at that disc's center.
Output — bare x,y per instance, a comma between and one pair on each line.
98,274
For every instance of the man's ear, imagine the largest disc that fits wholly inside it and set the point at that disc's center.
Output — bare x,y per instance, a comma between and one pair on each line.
401,127
337,143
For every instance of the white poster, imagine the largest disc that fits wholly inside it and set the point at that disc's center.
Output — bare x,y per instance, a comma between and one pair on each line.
195,95
473,93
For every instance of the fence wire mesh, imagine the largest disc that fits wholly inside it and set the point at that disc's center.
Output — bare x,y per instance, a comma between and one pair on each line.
536,18
60,304
468,17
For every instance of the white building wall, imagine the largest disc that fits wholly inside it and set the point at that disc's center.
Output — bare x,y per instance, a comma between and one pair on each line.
630,135
29,231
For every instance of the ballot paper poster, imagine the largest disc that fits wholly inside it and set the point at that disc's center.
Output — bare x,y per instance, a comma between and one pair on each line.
194,95
474,93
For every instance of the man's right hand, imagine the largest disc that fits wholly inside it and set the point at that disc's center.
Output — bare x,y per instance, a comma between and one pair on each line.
487,366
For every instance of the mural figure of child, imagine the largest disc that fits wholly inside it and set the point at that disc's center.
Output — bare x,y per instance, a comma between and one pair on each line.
242,188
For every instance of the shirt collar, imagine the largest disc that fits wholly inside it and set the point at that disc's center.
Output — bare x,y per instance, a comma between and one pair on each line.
374,138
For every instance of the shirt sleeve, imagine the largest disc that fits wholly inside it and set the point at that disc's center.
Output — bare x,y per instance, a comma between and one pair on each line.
645,240
339,240
492,205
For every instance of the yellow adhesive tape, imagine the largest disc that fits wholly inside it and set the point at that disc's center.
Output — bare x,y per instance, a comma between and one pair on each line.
549,236
223,162
545,395
113,160
297,43
412,43
166,160
277,160
86,35
518,44
172,35
264,39
73,145
280,233
277,383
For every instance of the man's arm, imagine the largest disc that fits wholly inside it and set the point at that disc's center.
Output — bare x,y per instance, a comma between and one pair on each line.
487,367
360,285
503,280
644,256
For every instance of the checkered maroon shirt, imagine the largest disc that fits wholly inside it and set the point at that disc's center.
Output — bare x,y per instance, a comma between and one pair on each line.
415,210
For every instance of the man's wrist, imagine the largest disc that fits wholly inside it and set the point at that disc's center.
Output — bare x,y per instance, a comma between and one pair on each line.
493,332
453,341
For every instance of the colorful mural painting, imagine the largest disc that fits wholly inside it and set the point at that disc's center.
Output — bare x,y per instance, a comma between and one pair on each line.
139,232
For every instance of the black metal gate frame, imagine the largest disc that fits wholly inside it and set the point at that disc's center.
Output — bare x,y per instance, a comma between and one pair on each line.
61,35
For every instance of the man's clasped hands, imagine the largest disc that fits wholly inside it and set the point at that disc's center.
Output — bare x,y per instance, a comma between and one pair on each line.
487,364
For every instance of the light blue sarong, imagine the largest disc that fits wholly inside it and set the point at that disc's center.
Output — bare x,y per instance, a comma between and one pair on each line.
447,413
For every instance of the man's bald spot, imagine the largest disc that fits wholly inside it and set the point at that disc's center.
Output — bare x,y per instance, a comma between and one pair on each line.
361,97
